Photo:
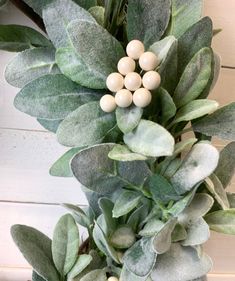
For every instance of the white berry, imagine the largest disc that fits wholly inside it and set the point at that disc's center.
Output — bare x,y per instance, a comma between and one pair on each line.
151,80
107,103
148,61
123,98
135,49
126,65
133,81
142,97
113,278
115,82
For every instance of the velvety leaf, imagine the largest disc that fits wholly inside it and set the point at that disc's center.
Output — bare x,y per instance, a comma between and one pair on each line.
36,248
98,14
84,64
184,15
178,234
17,38
65,244
98,275
198,165
127,275
217,68
198,36
82,262
195,109
172,168
150,139
222,221
36,277
137,217
128,118
57,16
87,125
30,65
141,253
194,79
107,207
185,258
122,153
147,20
221,123
97,172
123,237
53,97
226,167
125,203
152,227
231,199
50,124
61,168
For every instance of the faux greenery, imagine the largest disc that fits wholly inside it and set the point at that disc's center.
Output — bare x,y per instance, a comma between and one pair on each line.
153,193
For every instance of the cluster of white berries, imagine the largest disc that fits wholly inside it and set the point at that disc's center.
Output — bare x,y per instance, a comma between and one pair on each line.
127,84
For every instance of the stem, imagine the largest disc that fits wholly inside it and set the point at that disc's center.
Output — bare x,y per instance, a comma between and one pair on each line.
184,132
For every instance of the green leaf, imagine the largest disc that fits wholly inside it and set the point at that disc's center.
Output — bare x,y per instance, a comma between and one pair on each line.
184,15
222,221
195,109
198,165
172,168
97,172
217,68
226,167
231,199
123,237
30,65
50,124
65,244
84,64
194,79
36,277
87,125
2,3
82,262
58,15
147,20
152,227
128,118
17,38
198,36
106,206
97,274
137,217
61,168
122,153
178,234
150,139
127,275
126,202
53,97
36,248
185,258
98,14
141,253
221,123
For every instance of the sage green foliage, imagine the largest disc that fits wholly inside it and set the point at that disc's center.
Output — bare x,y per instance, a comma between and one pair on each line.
98,13
17,38
82,262
122,153
36,277
50,124
123,237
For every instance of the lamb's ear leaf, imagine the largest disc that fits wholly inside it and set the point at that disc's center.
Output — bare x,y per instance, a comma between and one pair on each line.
136,219
194,78
140,253
200,163
222,221
178,234
17,38
98,14
231,199
123,237
65,244
36,248
97,274
147,20
185,258
226,167
152,227
36,277
50,124
79,61
127,275
82,262
30,65
184,15
107,206
122,153
198,36
221,123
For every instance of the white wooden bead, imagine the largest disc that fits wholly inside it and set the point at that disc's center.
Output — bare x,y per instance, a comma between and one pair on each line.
115,82
123,98
151,80
142,97
107,103
135,49
148,61
126,65
133,81
113,278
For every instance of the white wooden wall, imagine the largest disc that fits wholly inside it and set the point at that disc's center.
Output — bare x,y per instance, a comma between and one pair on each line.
28,195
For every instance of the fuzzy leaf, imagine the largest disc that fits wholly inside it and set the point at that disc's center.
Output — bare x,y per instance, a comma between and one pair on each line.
36,277
198,165
17,38
29,65
137,217
128,118
178,234
98,275
231,199
127,275
106,206
122,153
147,20
194,79
36,248
87,125
123,237
50,124
98,14
152,227
82,262
150,139
84,64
